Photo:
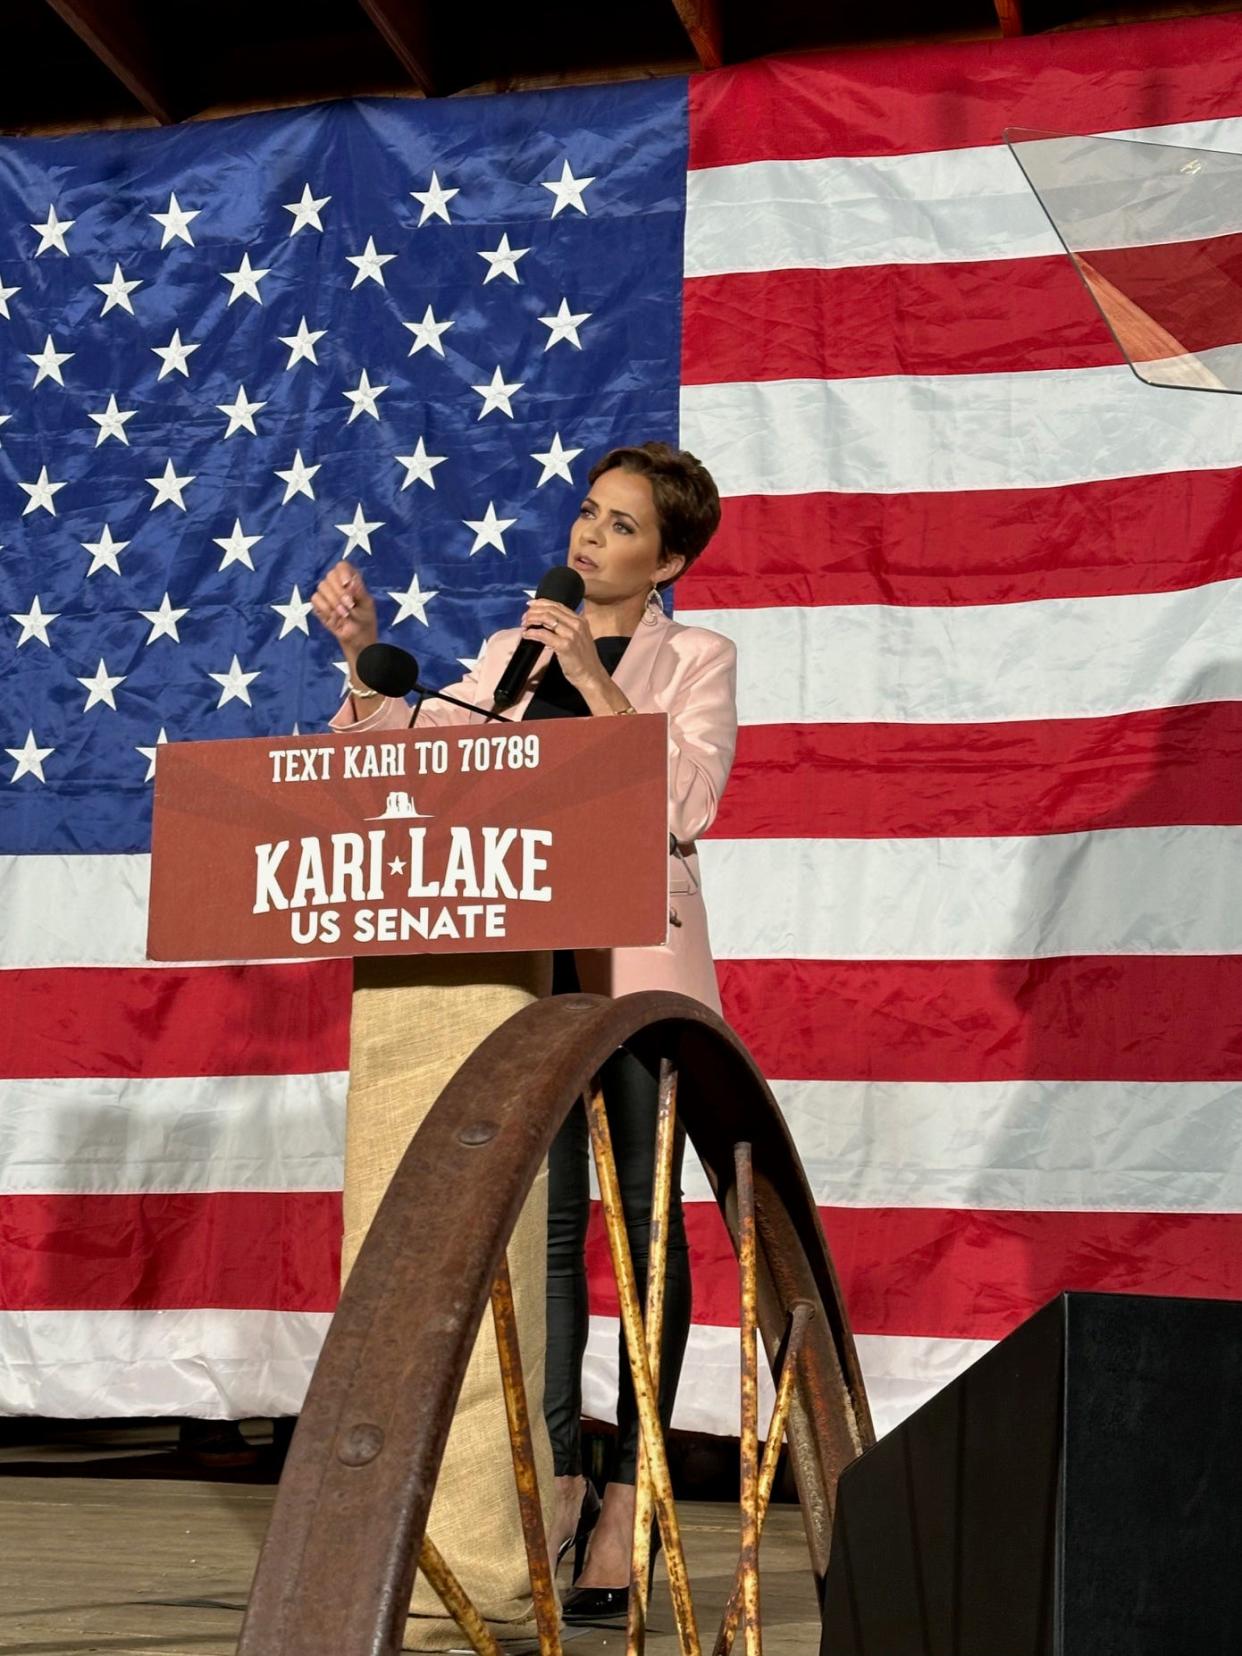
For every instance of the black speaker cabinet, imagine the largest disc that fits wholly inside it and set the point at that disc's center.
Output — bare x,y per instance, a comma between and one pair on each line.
1077,1492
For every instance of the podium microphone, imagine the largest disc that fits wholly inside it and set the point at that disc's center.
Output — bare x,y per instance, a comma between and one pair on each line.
394,672
563,586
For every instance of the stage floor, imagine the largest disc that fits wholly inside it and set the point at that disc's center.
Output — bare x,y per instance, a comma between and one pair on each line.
132,1564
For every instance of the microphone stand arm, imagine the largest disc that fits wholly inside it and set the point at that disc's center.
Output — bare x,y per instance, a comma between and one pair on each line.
425,694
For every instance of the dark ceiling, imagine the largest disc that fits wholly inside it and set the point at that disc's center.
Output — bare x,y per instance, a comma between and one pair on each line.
80,63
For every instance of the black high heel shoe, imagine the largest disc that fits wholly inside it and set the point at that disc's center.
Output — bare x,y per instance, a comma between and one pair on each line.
605,1606
588,1517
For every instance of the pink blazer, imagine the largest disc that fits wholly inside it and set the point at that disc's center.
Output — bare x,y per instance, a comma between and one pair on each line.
690,674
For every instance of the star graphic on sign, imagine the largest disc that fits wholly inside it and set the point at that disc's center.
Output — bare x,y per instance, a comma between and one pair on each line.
104,552
369,264
420,465
148,753
302,344
169,487
497,395
427,332
48,362
175,356
241,413
100,687
297,479
567,189
358,533
52,233
30,757
6,293
245,280
293,614
411,602
396,866
564,326
502,261
435,199
117,291
235,684
111,422
236,547
489,530
556,461
41,493
163,622
34,624
176,223
364,399
306,211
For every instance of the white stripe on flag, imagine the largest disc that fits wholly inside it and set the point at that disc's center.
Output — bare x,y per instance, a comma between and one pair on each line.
904,434
1113,891
1053,658
104,1136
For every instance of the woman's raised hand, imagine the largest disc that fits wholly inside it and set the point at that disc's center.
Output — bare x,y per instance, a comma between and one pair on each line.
345,607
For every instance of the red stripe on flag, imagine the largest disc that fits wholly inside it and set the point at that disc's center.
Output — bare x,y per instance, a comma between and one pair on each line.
973,1274
996,316
1081,1018
1170,765
951,97
217,1020
979,546
274,1251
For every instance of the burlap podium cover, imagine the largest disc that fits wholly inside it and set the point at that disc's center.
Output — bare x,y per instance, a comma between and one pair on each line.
414,1021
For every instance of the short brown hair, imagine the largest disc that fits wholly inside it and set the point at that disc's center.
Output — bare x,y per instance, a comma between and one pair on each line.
686,499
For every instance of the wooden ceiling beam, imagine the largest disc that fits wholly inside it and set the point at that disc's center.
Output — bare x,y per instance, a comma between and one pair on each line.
403,24
704,26
114,32
1009,16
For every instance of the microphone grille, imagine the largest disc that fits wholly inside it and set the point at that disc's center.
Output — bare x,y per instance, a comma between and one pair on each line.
562,585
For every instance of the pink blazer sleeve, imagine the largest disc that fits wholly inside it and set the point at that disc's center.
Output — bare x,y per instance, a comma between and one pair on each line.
702,730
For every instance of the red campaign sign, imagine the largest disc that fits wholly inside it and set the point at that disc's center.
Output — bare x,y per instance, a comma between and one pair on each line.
540,836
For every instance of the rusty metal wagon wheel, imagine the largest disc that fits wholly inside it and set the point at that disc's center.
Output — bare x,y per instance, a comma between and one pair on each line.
348,1528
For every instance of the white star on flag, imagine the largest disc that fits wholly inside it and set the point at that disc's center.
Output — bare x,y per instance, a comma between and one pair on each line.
148,753
420,465
556,461
169,487
241,413
564,326
175,355
435,200
163,624
293,614
489,529
48,362
34,624
100,687
111,422
235,684
236,547
470,663
6,293
497,395
30,757
302,344
245,280
117,291
104,552
297,479
369,264
358,533
41,493
502,260
307,211
52,233
567,189
411,602
427,332
364,398
176,223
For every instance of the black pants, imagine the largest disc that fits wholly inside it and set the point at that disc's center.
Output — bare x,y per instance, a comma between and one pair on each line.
631,1095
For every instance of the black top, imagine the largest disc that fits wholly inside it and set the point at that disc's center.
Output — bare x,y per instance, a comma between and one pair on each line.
556,697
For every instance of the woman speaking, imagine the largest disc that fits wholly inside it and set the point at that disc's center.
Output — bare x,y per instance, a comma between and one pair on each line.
649,513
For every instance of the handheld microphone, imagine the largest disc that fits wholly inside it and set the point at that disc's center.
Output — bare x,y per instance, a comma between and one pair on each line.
563,586
394,673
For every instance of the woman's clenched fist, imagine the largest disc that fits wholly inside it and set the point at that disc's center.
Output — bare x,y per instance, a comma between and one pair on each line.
345,607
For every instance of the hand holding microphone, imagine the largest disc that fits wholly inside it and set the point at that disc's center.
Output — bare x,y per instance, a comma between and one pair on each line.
550,623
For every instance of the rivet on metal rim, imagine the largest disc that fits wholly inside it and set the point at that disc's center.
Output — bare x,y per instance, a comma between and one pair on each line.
479,1132
360,1444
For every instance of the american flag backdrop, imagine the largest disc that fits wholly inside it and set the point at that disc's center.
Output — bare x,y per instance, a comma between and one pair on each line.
976,886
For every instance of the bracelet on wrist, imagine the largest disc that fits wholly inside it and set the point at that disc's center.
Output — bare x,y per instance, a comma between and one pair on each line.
619,712
358,693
